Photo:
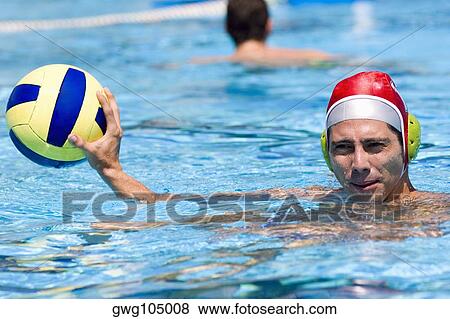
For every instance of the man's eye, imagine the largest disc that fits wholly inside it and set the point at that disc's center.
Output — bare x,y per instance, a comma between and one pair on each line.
375,146
341,148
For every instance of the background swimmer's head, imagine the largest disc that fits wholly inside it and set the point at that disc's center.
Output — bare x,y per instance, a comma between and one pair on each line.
247,20
366,142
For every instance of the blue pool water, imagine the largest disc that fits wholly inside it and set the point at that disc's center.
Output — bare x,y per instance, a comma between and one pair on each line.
221,137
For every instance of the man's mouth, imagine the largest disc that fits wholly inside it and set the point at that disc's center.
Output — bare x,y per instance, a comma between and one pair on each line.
365,186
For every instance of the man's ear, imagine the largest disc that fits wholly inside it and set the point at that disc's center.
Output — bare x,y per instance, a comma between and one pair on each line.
269,27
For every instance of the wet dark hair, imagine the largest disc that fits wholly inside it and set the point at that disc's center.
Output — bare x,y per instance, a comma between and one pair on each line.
247,20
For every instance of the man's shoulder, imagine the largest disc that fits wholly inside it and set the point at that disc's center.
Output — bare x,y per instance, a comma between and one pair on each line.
429,196
211,59
298,55
309,192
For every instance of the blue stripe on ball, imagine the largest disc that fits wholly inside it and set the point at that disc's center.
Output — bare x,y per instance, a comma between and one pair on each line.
23,93
38,159
101,120
67,108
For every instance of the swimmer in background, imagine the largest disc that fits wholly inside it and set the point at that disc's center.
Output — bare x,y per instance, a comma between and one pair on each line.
248,24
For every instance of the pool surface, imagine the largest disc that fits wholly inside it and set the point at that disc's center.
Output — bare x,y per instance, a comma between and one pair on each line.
224,133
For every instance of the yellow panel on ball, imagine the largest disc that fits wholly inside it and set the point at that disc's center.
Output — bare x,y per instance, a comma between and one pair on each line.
53,77
20,114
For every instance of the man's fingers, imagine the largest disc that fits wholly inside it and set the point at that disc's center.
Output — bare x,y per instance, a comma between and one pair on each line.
113,104
115,109
111,124
78,142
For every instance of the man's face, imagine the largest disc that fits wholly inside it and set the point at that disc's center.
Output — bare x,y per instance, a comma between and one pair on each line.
366,156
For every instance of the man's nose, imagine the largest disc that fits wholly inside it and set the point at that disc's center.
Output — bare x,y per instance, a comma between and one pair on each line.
360,161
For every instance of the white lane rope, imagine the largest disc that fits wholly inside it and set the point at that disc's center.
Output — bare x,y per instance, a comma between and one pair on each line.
187,11
214,8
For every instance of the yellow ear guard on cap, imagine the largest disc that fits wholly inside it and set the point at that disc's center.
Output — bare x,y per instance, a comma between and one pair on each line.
326,155
413,136
413,140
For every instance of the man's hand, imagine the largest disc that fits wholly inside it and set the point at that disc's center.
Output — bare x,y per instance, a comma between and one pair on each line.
103,154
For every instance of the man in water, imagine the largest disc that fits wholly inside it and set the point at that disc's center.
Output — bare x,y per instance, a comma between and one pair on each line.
369,140
249,25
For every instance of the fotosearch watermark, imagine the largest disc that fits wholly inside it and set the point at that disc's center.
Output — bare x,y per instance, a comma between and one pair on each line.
231,208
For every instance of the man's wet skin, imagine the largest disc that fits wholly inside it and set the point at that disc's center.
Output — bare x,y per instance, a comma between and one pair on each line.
333,216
